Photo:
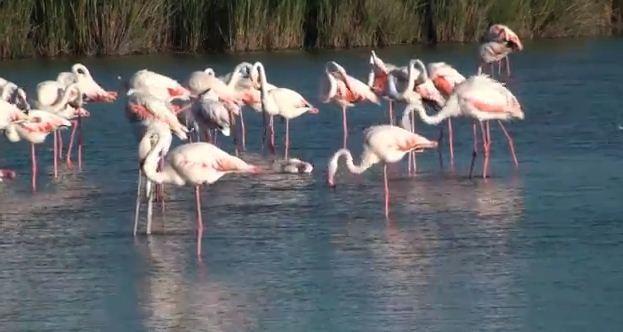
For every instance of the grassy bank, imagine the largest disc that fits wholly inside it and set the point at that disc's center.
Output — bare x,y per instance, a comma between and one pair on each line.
50,27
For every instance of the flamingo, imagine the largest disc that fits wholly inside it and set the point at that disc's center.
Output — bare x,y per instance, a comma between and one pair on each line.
383,143
250,88
158,85
284,102
9,113
377,80
503,34
208,113
69,106
482,99
445,78
292,166
81,76
49,93
339,87
35,129
192,164
142,110
413,89
15,95
224,88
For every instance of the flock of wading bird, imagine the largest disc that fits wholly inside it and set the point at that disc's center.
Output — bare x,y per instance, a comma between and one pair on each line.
159,107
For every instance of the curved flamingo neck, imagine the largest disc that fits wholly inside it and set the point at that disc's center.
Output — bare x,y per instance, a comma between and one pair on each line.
356,169
150,165
60,105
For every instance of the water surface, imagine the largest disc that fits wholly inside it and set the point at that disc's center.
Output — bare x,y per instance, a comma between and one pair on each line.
536,250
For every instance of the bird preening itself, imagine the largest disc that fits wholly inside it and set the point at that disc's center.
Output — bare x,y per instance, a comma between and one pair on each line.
498,43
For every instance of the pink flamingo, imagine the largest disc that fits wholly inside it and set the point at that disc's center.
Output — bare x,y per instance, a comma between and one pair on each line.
412,88
445,78
192,164
503,34
69,106
346,91
92,92
284,102
81,76
142,110
201,81
377,80
9,114
15,95
384,143
158,85
482,99
35,129
208,113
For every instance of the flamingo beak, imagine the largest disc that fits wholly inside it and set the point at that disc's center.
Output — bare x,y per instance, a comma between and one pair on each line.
313,110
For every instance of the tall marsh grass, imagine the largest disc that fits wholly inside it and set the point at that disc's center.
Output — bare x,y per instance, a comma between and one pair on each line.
105,27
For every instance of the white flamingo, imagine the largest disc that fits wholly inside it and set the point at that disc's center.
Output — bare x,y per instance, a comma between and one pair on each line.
445,78
412,86
284,102
384,143
506,41
377,80
192,164
35,129
482,99
9,113
338,87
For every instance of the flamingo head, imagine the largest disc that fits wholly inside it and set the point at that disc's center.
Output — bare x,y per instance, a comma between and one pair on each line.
429,92
333,68
20,100
7,174
514,42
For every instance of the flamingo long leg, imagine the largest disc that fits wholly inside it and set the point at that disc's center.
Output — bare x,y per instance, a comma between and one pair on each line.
386,190
451,142
160,187
344,127
485,149
199,220
33,160
55,153
235,132
80,143
271,126
60,145
264,129
474,150
150,205
413,161
243,132
137,208
287,139
511,146
74,128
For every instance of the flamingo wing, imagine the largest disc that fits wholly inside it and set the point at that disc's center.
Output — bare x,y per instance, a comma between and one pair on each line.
488,95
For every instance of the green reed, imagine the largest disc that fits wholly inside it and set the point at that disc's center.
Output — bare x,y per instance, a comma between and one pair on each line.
54,27
15,30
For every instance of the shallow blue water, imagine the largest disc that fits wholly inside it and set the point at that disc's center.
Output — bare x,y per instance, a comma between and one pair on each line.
536,250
